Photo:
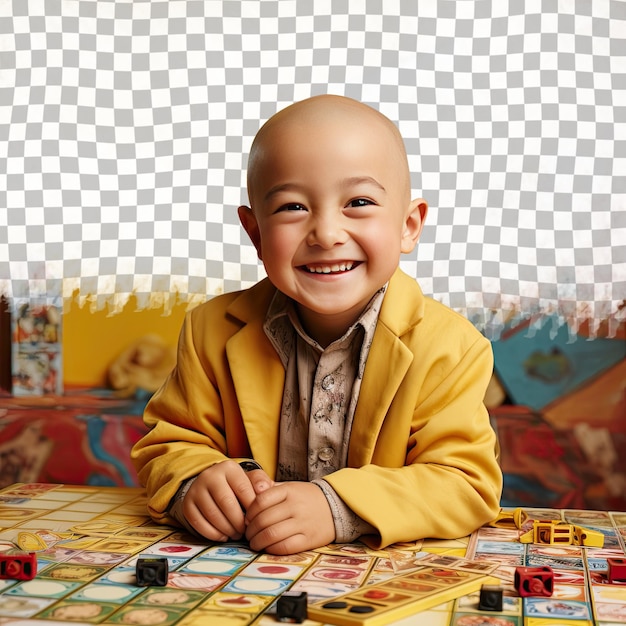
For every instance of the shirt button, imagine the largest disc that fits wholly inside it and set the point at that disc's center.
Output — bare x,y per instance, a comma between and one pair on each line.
325,454
328,382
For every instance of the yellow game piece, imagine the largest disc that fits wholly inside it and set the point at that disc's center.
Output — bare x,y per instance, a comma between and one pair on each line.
552,532
509,519
587,537
520,517
30,542
390,600
504,520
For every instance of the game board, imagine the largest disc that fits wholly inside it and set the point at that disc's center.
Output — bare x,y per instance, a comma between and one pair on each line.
88,539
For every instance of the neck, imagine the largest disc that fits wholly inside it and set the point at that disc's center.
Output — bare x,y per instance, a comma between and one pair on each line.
325,329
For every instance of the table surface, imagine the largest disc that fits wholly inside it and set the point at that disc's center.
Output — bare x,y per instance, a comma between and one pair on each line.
87,541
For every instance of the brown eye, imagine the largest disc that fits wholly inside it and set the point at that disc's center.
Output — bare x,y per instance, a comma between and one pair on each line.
359,202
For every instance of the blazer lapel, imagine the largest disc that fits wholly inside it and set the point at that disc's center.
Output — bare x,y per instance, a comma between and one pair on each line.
387,364
258,377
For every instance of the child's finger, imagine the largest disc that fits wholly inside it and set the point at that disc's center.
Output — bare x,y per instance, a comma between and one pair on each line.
273,538
264,502
260,481
242,488
211,523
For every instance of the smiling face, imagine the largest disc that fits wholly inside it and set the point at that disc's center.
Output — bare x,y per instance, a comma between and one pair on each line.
330,208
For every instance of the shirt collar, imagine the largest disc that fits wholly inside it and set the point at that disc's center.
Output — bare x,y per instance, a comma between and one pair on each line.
282,317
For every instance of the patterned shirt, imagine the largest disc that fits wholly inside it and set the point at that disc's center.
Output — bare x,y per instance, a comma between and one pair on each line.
321,391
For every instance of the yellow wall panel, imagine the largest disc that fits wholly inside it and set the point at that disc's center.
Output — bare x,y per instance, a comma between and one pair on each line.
93,339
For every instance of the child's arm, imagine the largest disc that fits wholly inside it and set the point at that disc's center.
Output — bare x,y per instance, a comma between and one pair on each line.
187,428
450,482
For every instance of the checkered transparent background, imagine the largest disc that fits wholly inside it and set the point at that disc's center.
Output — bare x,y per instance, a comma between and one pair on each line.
125,126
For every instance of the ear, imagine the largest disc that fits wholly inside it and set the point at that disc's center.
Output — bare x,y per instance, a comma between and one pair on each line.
413,224
251,226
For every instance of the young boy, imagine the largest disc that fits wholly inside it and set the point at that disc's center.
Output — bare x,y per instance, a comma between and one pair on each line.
332,400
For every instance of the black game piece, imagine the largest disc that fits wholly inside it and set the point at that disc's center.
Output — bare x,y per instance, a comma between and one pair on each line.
490,598
335,604
291,607
151,572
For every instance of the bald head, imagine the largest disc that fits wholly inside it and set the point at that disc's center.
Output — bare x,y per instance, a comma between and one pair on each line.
323,111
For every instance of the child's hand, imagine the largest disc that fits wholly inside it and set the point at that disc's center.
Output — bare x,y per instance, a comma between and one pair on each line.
215,503
289,517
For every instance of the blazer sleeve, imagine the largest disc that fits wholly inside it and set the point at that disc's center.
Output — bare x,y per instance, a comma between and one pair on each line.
186,422
450,483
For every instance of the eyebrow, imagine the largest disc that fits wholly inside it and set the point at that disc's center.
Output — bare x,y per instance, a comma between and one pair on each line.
346,182
363,180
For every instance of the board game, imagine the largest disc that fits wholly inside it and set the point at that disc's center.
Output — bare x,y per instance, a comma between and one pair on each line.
87,541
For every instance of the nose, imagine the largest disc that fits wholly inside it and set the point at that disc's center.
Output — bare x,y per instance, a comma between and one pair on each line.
327,231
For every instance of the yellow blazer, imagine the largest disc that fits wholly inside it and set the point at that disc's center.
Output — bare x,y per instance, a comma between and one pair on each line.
421,457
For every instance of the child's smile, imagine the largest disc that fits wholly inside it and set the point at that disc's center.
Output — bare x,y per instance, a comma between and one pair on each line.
335,268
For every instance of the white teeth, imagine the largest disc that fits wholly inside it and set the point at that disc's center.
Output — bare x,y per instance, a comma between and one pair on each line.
329,269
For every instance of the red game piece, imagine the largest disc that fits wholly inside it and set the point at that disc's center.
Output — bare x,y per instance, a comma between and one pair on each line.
534,581
617,570
18,566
